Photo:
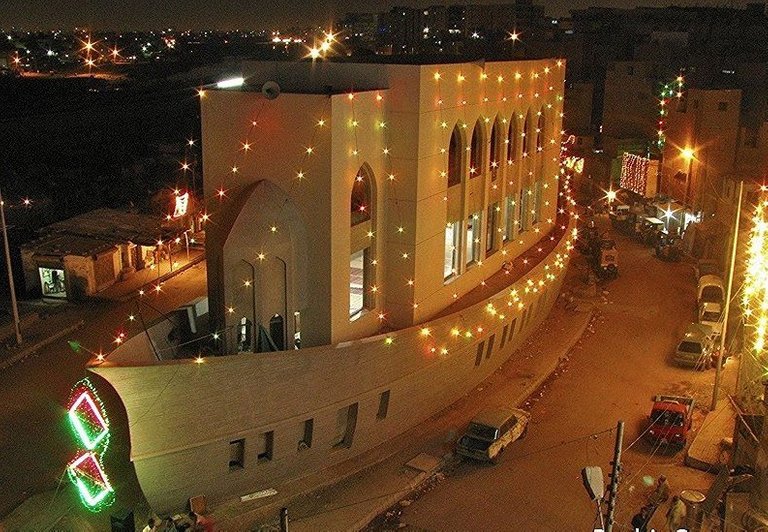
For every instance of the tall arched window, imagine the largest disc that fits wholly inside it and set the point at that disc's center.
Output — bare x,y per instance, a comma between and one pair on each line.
540,133
525,135
496,152
455,154
476,167
513,140
362,220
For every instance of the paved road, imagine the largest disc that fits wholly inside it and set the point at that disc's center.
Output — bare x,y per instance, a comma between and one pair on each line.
618,367
35,443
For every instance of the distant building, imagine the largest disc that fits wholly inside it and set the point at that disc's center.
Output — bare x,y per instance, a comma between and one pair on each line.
702,134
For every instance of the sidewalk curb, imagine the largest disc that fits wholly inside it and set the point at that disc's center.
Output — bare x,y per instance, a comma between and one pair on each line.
127,297
393,499
36,347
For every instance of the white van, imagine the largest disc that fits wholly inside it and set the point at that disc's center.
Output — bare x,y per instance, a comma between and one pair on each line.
490,431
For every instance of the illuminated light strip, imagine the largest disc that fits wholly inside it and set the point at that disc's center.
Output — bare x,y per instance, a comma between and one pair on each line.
77,423
85,412
76,472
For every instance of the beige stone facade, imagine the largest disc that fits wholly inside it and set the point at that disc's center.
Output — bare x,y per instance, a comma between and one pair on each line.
422,149
285,228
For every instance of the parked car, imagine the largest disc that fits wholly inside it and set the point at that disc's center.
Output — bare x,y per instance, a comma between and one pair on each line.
697,348
707,267
490,431
671,419
711,315
711,290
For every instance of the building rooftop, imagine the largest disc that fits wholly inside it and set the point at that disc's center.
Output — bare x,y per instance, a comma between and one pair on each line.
114,226
99,230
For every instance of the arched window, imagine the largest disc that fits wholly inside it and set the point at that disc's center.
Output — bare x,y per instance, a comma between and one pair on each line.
360,202
496,151
454,158
476,152
540,132
363,221
513,140
277,331
525,135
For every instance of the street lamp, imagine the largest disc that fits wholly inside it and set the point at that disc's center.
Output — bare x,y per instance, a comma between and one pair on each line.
689,155
14,305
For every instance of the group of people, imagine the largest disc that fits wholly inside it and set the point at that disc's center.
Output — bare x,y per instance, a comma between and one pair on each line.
190,522
676,514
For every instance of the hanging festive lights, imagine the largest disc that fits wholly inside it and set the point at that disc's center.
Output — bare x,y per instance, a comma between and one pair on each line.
634,173
673,89
90,425
246,148
755,294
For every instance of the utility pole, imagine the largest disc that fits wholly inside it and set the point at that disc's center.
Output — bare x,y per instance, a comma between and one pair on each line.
615,472
726,310
14,305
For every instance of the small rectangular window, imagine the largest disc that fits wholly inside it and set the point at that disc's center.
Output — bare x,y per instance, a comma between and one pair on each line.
383,405
356,284
306,439
479,355
346,422
512,330
266,446
474,223
509,226
236,454
490,234
504,336
451,259
490,346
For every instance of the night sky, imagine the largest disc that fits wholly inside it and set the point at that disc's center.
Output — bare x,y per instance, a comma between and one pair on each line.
233,14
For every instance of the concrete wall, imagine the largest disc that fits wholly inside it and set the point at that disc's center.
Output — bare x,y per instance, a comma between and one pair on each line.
708,122
183,415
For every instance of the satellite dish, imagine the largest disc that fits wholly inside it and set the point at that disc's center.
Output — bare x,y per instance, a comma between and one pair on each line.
592,477
270,90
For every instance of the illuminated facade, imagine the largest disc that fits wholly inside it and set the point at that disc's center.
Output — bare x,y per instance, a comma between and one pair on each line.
347,218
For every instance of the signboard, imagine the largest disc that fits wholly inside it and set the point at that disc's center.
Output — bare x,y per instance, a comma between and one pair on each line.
181,204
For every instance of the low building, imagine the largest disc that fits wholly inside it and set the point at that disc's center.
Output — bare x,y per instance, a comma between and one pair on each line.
81,256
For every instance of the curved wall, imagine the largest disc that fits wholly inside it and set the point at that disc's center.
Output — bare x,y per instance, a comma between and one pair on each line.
183,415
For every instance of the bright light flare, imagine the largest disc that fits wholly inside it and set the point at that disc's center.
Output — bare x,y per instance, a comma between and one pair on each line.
687,154
755,293
230,83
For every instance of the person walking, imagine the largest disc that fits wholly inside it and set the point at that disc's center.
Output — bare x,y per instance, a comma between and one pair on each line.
641,519
660,493
676,514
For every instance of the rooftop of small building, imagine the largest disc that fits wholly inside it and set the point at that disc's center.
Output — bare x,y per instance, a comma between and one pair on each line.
96,231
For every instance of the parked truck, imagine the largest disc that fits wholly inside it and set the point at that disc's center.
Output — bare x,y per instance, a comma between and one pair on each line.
671,418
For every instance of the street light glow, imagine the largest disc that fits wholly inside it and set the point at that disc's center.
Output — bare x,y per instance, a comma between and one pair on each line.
688,154
230,83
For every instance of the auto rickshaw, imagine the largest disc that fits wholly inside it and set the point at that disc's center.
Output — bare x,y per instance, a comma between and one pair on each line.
618,216
604,259
650,230
588,237
668,248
